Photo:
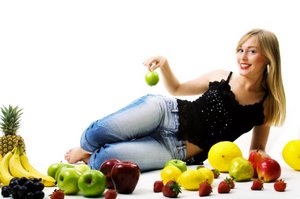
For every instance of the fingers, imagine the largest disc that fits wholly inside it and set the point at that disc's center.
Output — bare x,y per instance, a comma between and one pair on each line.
153,63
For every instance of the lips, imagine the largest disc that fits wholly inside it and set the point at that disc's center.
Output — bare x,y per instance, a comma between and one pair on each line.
244,66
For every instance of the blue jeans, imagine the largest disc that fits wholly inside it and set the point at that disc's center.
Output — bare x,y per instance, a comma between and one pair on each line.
143,132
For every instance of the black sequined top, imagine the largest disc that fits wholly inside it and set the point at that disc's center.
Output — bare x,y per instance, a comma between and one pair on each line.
216,116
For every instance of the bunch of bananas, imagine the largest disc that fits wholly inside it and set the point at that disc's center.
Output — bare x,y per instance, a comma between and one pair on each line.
16,164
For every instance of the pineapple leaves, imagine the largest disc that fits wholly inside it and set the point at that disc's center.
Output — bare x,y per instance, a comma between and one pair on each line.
10,119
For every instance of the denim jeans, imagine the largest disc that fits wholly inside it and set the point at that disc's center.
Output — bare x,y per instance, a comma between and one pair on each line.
143,132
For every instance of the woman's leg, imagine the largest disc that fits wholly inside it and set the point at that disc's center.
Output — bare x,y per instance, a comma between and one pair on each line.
149,153
142,117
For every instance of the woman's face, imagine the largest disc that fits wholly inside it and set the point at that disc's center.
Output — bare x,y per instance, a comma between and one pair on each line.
250,58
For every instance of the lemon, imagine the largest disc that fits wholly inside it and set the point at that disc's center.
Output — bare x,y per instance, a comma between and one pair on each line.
170,172
221,154
291,154
190,179
207,174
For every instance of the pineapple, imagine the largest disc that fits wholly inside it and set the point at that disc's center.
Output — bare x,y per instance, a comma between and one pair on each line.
9,124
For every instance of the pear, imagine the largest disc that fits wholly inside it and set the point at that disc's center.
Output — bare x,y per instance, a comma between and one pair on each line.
240,169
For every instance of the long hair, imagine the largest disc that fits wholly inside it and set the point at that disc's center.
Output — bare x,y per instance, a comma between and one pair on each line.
275,108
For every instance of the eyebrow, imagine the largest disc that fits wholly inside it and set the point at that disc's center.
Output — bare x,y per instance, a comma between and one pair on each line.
250,47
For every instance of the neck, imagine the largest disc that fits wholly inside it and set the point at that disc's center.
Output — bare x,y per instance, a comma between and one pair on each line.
253,84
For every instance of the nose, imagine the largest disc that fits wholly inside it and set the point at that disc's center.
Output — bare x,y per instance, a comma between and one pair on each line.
243,55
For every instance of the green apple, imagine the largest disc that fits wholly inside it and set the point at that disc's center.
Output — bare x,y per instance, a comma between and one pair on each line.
180,164
152,78
61,167
53,168
92,183
68,181
82,167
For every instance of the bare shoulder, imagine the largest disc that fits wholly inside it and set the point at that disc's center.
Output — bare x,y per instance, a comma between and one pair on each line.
217,75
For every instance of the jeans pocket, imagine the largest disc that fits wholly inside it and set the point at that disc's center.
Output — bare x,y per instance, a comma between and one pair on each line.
171,120
176,147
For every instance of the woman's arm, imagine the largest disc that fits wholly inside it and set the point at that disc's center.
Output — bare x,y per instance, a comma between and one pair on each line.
259,140
174,86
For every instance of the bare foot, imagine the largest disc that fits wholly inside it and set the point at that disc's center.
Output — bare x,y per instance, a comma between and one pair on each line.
77,154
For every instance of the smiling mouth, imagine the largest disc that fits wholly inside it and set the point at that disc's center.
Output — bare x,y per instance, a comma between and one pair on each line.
245,66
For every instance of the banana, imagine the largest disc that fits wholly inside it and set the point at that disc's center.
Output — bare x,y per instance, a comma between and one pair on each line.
15,166
5,175
48,181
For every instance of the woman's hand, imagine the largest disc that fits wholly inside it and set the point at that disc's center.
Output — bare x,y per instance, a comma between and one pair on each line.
192,87
155,62
263,153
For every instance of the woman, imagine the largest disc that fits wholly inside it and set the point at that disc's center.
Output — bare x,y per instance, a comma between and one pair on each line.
154,128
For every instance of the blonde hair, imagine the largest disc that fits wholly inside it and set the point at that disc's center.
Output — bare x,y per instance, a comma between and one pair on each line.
275,109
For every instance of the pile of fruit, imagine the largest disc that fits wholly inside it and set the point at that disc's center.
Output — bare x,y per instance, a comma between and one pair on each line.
79,179
225,157
14,162
240,168
75,179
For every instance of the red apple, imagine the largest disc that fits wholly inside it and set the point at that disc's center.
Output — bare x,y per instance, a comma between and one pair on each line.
125,176
106,168
268,170
255,157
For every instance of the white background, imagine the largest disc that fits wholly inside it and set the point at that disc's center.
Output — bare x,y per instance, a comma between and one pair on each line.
68,63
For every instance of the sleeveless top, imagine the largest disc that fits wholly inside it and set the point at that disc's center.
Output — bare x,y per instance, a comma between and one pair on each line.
216,116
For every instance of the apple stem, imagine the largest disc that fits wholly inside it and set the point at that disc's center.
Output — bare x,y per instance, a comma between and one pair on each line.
259,147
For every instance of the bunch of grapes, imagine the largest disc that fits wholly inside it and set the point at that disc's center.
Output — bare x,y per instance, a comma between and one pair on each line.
24,188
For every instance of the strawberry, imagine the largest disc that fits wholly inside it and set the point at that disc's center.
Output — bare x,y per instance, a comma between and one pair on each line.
57,194
280,185
205,189
230,182
223,187
257,185
216,173
158,186
171,189
111,194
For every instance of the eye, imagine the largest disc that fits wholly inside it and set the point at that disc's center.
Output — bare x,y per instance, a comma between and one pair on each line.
252,51
240,50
